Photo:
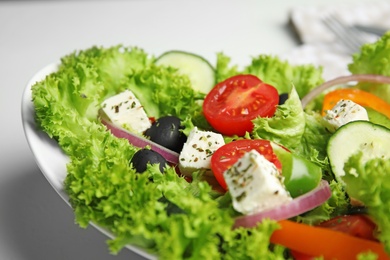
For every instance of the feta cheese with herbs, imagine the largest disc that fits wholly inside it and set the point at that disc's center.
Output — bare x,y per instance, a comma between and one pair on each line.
125,110
255,184
197,150
343,112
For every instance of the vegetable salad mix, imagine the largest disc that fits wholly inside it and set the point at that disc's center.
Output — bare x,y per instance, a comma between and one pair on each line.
174,218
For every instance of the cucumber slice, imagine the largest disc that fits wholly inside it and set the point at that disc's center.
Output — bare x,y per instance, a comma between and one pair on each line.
372,139
200,72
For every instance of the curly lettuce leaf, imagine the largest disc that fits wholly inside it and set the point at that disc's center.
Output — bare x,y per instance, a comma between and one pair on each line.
315,139
302,133
282,75
111,64
376,195
63,90
286,127
67,101
224,69
374,58
255,242
163,91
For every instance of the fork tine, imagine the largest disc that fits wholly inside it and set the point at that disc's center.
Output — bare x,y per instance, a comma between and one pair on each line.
340,32
350,37
355,35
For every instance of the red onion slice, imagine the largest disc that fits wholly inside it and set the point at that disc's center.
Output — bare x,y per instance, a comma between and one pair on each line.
141,142
297,206
343,80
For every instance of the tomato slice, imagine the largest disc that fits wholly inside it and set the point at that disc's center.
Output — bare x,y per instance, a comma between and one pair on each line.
232,104
357,225
227,155
301,256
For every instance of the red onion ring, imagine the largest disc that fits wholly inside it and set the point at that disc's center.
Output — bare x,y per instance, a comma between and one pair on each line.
297,206
141,142
343,80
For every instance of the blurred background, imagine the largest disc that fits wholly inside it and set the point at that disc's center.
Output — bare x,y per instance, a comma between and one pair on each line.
35,223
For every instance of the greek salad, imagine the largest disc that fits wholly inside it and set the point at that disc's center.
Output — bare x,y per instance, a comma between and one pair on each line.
190,160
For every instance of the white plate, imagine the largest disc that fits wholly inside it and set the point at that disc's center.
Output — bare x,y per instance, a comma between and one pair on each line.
52,161
48,155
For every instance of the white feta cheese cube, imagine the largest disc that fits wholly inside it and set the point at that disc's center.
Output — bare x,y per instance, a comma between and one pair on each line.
197,150
255,184
125,110
343,112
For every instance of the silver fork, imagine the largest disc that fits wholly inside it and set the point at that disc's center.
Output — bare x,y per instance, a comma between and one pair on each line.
351,38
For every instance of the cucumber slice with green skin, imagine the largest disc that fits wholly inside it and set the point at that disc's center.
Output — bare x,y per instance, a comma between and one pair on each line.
371,139
200,72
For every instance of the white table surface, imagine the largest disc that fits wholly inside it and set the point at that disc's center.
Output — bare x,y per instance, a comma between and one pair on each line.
34,221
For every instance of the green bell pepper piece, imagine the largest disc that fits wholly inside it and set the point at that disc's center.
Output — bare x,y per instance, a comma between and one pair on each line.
300,174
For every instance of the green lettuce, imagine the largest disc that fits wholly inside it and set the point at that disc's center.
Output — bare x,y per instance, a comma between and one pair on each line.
286,127
302,133
376,195
224,69
314,140
160,88
67,101
374,58
282,75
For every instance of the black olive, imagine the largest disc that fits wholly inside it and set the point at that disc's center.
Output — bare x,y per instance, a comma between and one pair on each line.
166,132
357,210
145,156
171,207
282,98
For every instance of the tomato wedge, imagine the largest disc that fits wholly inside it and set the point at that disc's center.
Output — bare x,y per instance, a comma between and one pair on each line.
232,104
229,154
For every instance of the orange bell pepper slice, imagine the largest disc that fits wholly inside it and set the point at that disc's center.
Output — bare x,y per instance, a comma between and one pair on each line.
319,241
358,96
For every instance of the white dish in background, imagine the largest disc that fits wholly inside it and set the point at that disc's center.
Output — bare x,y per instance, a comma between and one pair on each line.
334,62
49,157
307,19
320,45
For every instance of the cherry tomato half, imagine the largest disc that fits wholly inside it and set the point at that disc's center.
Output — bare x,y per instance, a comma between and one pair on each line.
228,154
232,104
